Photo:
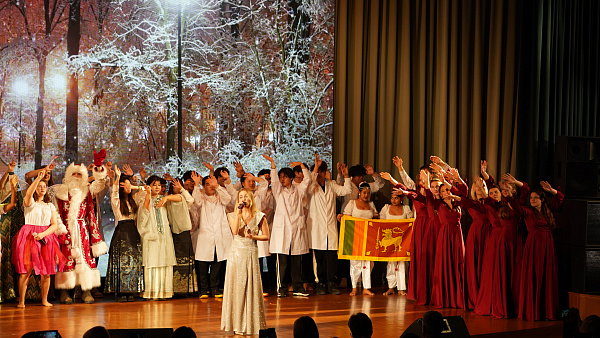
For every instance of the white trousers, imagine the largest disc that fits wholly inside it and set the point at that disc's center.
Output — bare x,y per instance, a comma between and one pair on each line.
396,275
360,269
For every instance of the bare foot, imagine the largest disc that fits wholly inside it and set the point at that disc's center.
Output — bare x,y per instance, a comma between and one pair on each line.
390,291
402,292
21,306
353,293
47,304
368,292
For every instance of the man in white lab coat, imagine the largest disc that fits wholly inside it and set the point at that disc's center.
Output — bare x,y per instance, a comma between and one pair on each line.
322,225
289,238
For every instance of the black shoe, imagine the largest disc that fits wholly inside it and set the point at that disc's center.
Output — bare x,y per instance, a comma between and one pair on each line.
121,299
300,292
282,292
131,298
321,289
332,288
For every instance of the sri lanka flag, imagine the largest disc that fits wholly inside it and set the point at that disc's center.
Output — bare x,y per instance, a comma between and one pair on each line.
375,239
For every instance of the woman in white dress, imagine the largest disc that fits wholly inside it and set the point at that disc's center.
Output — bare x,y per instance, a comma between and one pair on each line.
158,252
243,308
361,208
396,271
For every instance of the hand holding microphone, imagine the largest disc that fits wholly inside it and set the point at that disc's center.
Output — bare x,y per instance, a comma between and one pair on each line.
241,206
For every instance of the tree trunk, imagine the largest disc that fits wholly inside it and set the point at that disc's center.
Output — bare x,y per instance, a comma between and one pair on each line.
73,40
39,124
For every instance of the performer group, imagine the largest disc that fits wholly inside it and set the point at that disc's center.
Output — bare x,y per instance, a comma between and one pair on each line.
180,236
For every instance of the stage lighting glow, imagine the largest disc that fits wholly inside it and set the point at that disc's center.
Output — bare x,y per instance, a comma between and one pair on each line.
21,87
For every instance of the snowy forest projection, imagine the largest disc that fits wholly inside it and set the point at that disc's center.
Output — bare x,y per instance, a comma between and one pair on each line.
257,78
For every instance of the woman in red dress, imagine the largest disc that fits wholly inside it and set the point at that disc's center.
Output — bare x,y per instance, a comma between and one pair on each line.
476,241
448,278
538,295
422,248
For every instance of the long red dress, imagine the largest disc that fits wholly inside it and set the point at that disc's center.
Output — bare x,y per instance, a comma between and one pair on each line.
538,295
485,296
448,278
507,281
421,250
475,245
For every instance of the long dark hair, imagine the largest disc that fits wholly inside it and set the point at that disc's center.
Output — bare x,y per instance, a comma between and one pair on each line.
127,200
545,211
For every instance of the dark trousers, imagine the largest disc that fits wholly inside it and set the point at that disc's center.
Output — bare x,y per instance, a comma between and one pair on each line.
269,278
326,261
295,264
215,274
308,272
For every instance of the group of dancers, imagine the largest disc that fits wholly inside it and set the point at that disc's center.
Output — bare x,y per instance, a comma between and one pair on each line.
167,228
507,268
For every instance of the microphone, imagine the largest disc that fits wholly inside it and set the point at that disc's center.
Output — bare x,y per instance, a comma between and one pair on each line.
241,206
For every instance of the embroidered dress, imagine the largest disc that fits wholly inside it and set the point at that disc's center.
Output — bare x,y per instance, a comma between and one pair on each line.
158,252
125,273
243,305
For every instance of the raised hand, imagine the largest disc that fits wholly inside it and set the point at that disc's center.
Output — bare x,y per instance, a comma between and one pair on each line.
509,178
483,166
398,163
399,192
385,176
547,187
143,173
196,178
90,167
117,172
41,175
212,181
270,159
339,167
127,170
436,168
344,170
148,189
239,169
370,170
318,162
454,174
296,163
225,176
11,166
168,177
177,184
437,160
51,166
209,167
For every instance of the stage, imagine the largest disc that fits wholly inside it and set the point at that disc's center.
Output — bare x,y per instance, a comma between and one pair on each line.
390,316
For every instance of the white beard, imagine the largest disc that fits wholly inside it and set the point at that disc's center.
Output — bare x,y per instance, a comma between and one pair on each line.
76,186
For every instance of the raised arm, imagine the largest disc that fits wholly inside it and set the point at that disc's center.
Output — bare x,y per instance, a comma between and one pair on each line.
275,184
28,199
34,173
408,182
558,198
13,194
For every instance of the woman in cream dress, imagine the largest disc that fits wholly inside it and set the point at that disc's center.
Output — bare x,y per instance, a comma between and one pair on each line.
243,306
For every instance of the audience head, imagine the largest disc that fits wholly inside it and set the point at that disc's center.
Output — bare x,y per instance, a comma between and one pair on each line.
590,326
305,327
184,332
360,326
433,324
96,332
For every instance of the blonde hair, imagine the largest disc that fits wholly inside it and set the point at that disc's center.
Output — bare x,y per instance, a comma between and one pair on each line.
474,193
253,208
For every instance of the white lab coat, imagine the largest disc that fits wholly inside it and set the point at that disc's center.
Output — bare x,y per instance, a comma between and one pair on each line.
375,186
321,222
289,227
213,231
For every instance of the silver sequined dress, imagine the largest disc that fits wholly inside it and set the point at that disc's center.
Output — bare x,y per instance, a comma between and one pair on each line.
243,305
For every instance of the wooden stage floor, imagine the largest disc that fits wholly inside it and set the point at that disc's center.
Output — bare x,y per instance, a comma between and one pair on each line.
390,316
